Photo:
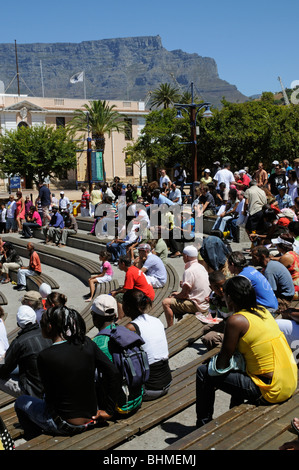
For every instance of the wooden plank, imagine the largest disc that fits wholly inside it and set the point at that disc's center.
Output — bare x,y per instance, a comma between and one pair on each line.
178,397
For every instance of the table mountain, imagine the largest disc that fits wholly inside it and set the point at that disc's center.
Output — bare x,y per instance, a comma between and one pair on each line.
115,69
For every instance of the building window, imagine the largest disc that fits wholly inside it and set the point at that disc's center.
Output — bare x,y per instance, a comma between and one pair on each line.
127,104
59,101
60,121
128,129
129,169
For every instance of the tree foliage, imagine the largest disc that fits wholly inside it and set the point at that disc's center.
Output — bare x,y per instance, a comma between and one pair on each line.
37,152
240,133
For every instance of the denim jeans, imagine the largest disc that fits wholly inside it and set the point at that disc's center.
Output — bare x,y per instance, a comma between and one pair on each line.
237,384
27,226
35,416
220,223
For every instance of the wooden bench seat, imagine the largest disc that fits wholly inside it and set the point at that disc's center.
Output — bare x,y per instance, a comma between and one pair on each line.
181,395
245,427
34,282
76,265
3,299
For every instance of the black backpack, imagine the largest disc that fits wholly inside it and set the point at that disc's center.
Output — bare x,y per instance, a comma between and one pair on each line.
128,355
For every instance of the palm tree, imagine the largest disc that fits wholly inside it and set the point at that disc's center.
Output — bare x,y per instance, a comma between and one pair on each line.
98,119
165,95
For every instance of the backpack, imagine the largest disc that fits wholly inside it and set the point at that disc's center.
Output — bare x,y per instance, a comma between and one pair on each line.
128,355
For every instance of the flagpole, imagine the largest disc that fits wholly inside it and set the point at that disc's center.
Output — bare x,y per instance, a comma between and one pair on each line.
84,85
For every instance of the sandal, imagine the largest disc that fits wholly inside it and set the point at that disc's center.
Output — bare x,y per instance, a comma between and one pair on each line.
294,427
5,281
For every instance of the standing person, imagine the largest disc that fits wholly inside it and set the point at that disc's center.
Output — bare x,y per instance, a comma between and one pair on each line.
164,178
261,176
20,210
3,212
85,198
224,176
33,222
63,202
45,197
22,354
255,362
151,329
278,178
96,197
105,275
180,176
70,404
11,207
255,200
34,268
195,289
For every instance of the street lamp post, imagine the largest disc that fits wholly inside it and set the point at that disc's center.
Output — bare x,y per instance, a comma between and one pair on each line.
193,109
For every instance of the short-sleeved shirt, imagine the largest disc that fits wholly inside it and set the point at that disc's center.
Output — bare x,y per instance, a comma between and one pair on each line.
196,277
256,199
264,293
136,279
45,196
108,267
155,267
280,279
208,198
84,199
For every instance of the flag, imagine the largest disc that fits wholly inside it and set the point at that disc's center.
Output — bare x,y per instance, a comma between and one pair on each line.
78,77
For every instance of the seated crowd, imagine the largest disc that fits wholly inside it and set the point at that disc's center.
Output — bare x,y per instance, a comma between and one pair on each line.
243,299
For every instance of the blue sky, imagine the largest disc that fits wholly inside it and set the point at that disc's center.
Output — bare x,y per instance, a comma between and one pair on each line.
252,42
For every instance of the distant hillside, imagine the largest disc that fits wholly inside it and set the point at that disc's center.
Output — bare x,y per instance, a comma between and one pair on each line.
120,69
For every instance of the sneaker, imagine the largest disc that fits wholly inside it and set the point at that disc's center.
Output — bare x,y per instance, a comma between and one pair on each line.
19,288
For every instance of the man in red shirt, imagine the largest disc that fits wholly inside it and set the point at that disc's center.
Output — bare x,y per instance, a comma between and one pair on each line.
243,183
84,202
134,279
34,268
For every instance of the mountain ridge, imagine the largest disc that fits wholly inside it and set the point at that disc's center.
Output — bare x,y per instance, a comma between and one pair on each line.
115,69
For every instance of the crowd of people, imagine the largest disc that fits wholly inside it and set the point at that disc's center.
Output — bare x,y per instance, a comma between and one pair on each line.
244,298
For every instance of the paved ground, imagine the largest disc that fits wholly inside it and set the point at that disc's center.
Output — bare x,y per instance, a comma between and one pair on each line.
165,434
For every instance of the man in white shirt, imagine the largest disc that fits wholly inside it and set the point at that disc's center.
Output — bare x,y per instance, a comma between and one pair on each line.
164,178
63,202
224,176
195,289
175,194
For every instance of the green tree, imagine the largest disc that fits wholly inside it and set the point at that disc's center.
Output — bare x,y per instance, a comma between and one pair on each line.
164,96
37,152
99,119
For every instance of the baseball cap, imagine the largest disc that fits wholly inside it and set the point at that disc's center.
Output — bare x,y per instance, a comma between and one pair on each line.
144,246
32,295
207,170
25,315
275,162
104,305
281,186
241,171
61,192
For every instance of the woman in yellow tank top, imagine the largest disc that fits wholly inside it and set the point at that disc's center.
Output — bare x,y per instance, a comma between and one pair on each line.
255,363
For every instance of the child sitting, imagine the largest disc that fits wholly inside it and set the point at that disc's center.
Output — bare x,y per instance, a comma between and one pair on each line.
105,275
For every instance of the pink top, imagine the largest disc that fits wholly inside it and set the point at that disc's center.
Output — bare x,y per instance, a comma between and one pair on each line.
197,278
37,218
107,265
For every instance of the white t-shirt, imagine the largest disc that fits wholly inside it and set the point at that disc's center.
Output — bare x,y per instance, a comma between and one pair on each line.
164,179
224,176
153,334
3,339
